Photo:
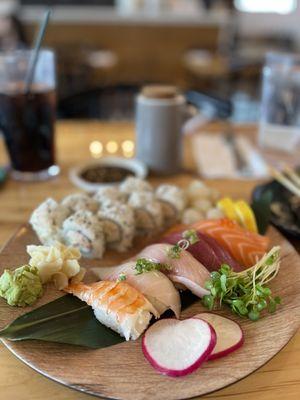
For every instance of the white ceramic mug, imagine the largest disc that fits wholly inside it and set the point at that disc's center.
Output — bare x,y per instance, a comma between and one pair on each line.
159,132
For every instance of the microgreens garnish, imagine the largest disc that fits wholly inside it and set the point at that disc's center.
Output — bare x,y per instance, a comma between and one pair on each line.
245,292
144,265
175,251
122,277
191,236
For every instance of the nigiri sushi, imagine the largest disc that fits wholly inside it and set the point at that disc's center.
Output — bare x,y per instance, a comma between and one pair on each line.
154,285
84,231
206,250
117,305
244,246
184,268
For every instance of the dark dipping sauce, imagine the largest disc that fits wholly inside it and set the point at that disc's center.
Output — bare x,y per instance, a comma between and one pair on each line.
106,174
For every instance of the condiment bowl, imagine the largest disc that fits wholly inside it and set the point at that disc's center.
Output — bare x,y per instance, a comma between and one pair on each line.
133,166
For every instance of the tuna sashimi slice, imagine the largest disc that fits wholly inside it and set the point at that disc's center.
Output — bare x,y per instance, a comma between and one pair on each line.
207,251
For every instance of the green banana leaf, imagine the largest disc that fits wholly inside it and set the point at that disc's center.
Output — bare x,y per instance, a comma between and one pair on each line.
68,320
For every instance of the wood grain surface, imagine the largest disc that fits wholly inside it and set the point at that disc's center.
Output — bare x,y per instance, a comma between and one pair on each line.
276,380
121,371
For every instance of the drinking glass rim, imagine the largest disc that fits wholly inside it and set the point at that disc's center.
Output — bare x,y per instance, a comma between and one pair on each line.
25,52
283,57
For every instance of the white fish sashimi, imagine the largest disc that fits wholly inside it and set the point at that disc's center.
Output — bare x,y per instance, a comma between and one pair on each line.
185,269
187,283
154,285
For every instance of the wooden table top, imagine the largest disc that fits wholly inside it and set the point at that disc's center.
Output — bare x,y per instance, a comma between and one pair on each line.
279,378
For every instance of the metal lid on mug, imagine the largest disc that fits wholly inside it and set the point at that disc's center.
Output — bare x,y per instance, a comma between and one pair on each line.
160,91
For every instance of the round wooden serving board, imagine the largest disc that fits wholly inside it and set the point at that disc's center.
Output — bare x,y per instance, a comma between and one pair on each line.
121,371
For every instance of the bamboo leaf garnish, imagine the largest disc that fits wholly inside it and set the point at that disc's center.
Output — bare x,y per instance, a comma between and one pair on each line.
65,320
69,320
17,327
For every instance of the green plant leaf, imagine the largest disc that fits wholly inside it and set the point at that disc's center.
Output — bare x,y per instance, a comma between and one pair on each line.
3,175
71,321
65,320
262,210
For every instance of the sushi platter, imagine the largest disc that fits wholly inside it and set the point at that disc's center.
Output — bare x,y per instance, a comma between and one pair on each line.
150,247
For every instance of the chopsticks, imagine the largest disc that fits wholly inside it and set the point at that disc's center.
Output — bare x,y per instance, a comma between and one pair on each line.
288,178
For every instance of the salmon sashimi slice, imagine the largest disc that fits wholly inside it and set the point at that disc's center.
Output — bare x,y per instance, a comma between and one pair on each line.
117,305
244,246
185,269
154,285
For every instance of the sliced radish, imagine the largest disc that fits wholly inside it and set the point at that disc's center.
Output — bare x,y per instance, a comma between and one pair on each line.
177,348
229,334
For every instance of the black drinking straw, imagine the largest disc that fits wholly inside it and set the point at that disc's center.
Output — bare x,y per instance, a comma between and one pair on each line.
35,52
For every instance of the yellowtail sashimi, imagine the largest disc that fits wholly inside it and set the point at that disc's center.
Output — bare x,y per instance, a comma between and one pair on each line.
157,288
184,268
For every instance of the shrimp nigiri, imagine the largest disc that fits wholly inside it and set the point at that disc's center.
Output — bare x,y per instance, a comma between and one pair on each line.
117,305
184,269
154,285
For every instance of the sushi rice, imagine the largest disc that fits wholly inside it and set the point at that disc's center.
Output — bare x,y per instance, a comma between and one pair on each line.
117,305
46,220
133,184
118,225
109,195
84,231
172,200
172,194
80,201
115,214
148,212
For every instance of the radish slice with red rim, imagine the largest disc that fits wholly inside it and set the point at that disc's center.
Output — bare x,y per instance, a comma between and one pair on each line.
178,348
230,336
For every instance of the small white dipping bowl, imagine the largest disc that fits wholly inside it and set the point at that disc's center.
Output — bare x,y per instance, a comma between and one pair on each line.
138,168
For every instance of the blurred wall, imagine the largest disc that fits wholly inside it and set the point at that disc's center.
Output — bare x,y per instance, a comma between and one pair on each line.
257,24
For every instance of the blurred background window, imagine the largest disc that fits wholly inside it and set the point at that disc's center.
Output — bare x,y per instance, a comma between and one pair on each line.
107,49
69,2
266,6
12,33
